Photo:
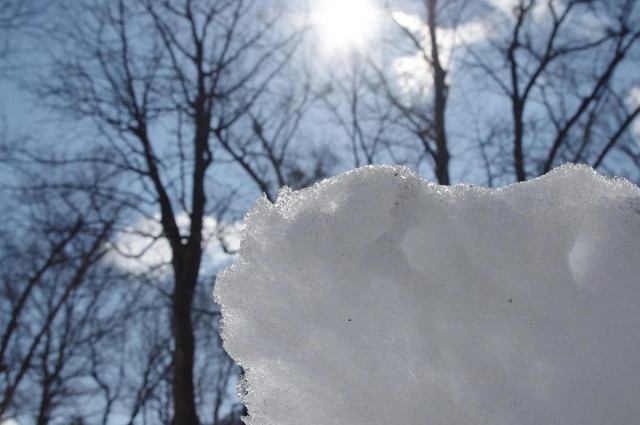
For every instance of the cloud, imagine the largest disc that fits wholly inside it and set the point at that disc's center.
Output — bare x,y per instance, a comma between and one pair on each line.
506,6
141,247
634,101
412,71
509,7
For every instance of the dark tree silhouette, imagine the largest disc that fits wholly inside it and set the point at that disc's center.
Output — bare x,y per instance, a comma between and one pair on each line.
168,84
572,86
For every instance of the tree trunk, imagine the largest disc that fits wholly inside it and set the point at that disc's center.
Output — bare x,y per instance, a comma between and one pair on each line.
186,278
518,132
440,102
45,406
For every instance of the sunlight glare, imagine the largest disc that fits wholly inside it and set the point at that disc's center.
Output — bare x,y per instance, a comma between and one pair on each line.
345,24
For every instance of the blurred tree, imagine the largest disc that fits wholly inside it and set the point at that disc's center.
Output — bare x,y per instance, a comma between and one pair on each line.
392,101
363,115
19,20
55,294
565,68
428,123
168,84
14,14
451,72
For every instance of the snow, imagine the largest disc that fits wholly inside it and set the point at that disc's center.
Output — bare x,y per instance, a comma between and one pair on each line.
376,297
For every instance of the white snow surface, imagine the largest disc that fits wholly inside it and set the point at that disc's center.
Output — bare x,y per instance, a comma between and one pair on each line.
376,297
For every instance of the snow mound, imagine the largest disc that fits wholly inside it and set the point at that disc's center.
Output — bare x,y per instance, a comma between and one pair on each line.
376,297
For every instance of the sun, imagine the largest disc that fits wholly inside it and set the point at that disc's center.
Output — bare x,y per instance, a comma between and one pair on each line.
345,24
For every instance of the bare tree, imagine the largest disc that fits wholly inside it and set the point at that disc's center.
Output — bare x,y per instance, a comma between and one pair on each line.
558,75
13,16
267,143
53,286
358,111
441,153
422,111
167,84
21,22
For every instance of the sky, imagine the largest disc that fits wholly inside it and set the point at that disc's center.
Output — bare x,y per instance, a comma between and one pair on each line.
340,28
344,25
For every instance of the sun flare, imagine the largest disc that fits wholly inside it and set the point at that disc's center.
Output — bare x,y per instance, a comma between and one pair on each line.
345,24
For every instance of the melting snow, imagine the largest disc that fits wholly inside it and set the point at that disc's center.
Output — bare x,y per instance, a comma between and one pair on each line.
376,298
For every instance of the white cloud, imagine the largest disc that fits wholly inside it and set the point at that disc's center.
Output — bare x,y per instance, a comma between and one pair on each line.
413,75
509,7
412,71
411,22
141,248
634,97
634,102
506,6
